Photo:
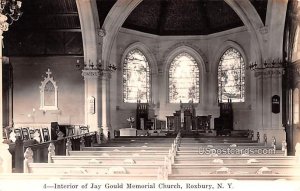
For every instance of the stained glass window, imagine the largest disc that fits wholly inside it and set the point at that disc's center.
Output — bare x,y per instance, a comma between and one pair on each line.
231,77
184,79
136,78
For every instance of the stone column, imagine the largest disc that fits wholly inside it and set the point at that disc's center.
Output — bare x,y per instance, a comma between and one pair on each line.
92,98
105,104
268,84
277,129
267,95
277,90
259,100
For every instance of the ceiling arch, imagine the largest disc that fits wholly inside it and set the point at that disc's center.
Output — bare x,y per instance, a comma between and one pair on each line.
170,17
122,9
178,17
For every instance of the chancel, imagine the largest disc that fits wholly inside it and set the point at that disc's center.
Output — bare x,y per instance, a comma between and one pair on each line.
150,89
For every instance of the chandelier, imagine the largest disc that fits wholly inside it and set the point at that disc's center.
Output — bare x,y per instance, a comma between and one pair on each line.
99,66
268,65
11,9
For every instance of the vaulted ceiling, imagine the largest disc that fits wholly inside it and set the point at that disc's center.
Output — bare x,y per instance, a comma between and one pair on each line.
47,27
52,27
182,17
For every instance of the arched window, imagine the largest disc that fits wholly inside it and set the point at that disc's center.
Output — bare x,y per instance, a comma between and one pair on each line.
136,78
48,93
231,76
184,79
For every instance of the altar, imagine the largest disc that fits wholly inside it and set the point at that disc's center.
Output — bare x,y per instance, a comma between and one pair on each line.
185,119
127,132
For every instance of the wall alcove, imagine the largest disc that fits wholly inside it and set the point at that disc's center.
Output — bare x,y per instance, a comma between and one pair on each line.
48,93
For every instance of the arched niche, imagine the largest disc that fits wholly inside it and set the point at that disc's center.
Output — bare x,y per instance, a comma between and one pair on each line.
48,93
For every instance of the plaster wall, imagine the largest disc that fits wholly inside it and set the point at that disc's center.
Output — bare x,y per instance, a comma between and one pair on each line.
27,76
210,48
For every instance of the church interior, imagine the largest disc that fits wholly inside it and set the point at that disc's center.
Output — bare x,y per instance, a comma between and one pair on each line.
97,81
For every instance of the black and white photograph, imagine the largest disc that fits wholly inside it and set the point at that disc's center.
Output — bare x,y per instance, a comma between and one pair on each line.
150,95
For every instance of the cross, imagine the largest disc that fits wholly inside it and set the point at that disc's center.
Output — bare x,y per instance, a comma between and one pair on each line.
48,73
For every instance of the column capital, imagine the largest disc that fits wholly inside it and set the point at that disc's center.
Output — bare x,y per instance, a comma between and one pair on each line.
296,69
91,73
106,75
101,32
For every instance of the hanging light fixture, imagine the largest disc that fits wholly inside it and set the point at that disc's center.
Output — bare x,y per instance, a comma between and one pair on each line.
268,65
11,9
110,68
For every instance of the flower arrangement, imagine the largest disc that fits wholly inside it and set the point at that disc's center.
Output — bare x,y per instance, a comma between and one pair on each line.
131,121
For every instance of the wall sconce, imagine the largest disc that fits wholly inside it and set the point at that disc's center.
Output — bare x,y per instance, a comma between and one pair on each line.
90,65
109,68
99,66
32,115
78,65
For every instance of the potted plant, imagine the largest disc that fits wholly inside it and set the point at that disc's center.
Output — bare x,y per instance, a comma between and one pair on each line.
131,121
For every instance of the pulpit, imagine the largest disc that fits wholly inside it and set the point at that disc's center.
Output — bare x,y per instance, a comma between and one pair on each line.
185,119
202,123
143,117
224,123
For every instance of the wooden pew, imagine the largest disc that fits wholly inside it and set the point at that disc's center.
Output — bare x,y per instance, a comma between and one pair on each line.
159,160
192,169
185,140
196,144
236,155
251,177
53,176
134,144
54,168
130,149
160,142
44,176
218,140
119,153
184,148
230,151
229,160
138,160
143,139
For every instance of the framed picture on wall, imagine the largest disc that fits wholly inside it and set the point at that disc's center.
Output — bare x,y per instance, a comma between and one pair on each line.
46,135
18,133
25,133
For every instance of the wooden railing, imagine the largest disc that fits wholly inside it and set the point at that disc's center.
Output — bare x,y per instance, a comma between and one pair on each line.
40,150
